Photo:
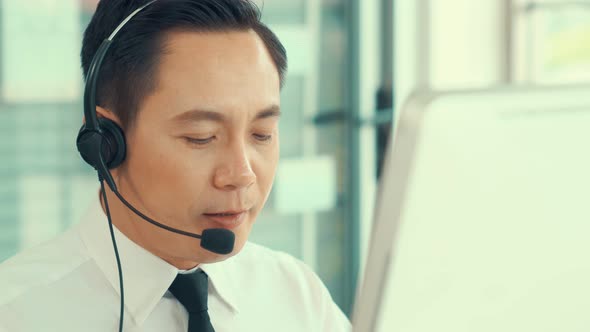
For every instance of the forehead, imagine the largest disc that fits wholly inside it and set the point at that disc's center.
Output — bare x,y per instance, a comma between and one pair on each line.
216,70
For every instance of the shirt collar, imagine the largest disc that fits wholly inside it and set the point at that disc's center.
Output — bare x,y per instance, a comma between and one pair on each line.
146,276
222,277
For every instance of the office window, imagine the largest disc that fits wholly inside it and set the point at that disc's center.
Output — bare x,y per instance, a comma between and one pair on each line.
552,42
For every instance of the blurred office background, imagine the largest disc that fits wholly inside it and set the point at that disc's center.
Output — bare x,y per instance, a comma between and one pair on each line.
352,64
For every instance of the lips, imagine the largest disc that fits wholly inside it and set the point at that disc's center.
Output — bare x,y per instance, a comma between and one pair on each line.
227,219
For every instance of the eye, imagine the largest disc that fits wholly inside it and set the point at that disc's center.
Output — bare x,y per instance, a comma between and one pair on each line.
199,141
263,138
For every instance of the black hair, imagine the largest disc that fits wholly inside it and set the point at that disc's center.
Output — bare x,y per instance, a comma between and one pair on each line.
128,73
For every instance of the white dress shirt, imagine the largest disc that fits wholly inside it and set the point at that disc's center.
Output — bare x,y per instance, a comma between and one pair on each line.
71,284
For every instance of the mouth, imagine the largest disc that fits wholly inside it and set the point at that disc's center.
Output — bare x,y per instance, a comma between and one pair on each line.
227,219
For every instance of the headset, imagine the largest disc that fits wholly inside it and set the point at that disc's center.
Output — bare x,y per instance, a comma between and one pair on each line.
101,144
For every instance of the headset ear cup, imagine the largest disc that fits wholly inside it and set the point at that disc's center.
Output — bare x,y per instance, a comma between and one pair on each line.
88,143
114,148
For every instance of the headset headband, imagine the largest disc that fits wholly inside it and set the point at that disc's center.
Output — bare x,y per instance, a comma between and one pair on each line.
94,70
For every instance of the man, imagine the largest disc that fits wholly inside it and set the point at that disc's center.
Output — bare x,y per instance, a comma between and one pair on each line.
194,84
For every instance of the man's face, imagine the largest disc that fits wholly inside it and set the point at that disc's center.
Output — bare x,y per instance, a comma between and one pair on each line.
204,144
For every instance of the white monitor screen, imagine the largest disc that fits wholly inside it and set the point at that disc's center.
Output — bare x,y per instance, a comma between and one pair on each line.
483,216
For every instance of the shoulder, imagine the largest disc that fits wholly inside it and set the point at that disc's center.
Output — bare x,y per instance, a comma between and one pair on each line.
40,265
290,278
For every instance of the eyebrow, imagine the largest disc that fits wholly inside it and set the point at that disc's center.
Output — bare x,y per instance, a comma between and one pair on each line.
204,115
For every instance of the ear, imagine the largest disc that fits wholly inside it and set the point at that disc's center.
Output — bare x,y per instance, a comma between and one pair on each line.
107,114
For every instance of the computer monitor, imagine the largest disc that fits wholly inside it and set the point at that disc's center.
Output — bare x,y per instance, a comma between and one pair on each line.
483,215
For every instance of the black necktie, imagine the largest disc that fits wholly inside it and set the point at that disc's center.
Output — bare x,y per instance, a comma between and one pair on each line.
191,291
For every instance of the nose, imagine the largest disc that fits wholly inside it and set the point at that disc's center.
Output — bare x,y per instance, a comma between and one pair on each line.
235,171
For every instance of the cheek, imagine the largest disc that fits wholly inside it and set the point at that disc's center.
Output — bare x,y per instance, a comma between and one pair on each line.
184,167
166,170
266,168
